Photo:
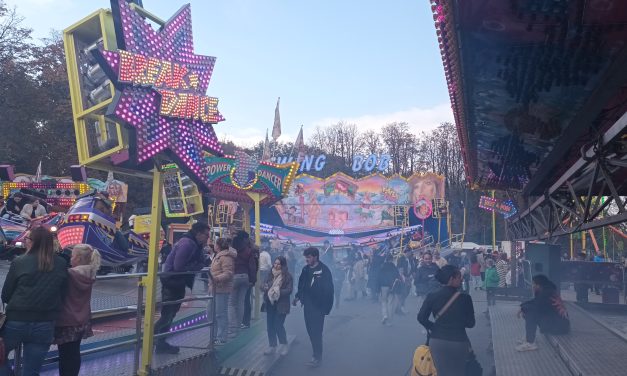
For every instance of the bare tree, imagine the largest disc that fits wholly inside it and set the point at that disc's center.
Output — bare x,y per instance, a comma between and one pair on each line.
13,37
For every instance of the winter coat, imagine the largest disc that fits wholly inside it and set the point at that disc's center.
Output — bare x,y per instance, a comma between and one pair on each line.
549,310
186,256
222,271
246,263
388,274
425,279
76,307
32,295
287,286
315,287
491,278
501,268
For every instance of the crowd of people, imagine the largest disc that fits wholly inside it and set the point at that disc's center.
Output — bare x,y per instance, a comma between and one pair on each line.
47,297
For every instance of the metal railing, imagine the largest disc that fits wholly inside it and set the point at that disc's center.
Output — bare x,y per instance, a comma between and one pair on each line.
139,309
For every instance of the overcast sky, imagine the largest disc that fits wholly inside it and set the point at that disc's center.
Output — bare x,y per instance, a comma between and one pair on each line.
364,61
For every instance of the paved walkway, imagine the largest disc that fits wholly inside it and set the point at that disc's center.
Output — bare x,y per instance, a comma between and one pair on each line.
356,343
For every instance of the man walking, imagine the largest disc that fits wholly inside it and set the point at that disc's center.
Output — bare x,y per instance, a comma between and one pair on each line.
186,256
315,292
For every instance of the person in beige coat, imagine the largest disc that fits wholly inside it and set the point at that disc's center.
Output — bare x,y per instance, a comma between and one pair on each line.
222,271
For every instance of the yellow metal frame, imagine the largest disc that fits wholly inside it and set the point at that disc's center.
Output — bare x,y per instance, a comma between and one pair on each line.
149,282
104,19
195,197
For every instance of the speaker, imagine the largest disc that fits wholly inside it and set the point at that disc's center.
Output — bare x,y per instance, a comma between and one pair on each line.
78,173
6,173
545,259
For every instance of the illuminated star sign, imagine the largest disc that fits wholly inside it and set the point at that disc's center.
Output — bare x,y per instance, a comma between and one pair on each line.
162,85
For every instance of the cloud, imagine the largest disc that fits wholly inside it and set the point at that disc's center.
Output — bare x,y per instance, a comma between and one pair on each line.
418,119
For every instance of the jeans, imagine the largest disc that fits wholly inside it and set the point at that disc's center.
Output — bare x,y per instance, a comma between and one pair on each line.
236,302
276,325
168,312
388,302
314,322
490,295
70,358
222,318
476,279
248,307
36,338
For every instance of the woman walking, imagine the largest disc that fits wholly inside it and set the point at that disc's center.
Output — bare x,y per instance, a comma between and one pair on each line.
222,271
32,291
276,295
74,319
453,312
245,274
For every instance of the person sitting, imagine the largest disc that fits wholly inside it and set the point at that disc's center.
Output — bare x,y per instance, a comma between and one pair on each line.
13,206
546,311
33,210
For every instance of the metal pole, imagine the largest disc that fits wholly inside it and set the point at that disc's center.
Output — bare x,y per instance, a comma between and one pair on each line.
583,242
257,198
138,325
18,360
493,228
150,281
464,226
572,246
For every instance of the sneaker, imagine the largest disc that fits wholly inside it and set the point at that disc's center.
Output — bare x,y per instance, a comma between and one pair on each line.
526,346
269,351
283,350
384,321
521,341
219,342
313,363
244,326
166,348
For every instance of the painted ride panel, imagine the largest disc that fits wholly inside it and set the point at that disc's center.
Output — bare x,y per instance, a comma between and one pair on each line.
84,224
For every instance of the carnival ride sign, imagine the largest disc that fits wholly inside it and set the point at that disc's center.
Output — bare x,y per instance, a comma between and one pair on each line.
369,163
161,87
244,173
506,208
341,204
423,208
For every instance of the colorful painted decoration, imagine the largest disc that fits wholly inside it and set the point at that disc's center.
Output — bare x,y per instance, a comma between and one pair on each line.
423,208
162,85
230,177
341,204
506,208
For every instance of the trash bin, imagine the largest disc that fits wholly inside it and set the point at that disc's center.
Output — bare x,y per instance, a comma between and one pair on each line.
610,295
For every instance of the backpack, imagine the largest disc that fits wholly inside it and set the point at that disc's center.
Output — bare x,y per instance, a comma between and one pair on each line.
423,362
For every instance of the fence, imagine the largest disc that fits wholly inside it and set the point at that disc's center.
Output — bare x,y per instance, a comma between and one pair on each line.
139,315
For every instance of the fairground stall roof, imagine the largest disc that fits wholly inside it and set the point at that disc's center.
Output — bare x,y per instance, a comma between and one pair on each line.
531,83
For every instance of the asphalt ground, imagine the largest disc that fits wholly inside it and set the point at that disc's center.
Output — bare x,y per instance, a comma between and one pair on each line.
357,343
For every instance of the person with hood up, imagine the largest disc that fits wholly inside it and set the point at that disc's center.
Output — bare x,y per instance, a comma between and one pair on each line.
222,272
74,322
277,290
315,292
186,256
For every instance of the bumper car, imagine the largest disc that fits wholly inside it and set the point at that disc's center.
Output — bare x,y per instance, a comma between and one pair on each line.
88,222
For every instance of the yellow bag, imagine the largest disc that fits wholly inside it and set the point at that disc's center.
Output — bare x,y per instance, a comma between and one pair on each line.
423,362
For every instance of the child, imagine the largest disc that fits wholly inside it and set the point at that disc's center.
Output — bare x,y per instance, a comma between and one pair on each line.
491,281
475,272
74,323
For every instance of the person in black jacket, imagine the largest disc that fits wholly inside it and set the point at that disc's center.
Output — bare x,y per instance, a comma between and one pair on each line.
448,341
33,291
424,280
389,280
315,292
545,311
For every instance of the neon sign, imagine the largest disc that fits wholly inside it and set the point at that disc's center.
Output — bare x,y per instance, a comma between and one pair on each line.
360,162
171,80
161,86
506,208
